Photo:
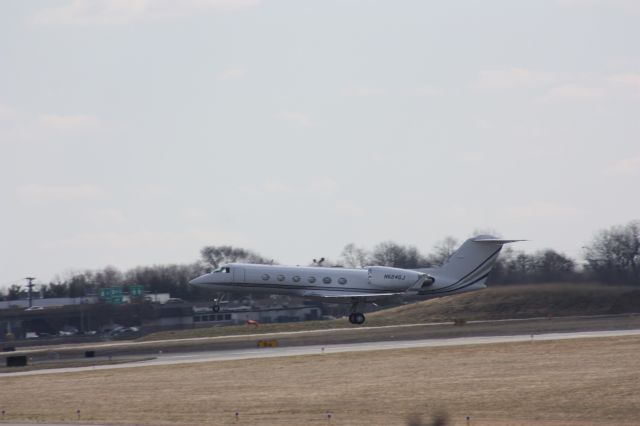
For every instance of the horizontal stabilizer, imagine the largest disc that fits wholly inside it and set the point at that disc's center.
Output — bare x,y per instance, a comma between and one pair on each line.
494,240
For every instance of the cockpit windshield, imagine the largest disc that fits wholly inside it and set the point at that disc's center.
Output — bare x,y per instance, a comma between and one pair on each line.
222,270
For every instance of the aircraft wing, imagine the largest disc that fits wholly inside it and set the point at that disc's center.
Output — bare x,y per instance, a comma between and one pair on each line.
330,296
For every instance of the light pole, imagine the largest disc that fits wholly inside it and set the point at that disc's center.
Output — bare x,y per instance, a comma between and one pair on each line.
30,287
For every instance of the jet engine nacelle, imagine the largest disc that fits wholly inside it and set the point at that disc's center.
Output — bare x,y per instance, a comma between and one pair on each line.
387,278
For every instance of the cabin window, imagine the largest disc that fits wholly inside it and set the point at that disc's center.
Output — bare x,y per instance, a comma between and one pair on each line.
265,277
296,279
226,270
326,280
311,279
280,277
342,280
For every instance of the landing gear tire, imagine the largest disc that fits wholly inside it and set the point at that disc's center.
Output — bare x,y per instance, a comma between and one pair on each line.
356,318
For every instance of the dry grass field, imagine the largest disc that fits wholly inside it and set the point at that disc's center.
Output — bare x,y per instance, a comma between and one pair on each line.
579,382
518,301
498,302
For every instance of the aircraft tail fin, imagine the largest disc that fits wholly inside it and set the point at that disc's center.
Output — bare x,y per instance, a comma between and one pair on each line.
470,264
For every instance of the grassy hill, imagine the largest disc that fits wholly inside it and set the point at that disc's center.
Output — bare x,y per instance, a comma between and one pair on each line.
517,301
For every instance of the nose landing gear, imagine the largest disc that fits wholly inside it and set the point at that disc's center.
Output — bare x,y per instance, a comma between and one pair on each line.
217,301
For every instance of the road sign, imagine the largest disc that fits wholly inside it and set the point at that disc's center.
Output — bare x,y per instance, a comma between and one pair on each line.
135,290
116,295
105,293
111,295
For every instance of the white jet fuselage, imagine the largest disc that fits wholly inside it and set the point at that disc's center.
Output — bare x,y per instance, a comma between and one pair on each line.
309,281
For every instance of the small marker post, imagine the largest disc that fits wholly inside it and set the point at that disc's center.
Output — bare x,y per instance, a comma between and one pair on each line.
78,413
237,416
329,417
468,421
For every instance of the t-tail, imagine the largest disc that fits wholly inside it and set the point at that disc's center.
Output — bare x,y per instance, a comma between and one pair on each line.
467,268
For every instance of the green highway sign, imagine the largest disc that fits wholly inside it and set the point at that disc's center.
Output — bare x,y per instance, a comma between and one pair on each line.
136,290
111,295
116,295
105,293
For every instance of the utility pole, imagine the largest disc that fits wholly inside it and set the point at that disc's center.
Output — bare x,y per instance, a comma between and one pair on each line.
30,287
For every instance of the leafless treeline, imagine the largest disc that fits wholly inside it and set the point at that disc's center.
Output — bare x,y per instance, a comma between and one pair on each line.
612,256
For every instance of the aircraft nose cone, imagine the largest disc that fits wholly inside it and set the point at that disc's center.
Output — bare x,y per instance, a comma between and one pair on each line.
202,279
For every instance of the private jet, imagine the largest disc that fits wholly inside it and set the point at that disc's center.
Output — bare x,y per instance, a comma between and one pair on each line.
467,269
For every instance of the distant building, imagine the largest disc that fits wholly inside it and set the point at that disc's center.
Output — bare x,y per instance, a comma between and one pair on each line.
45,303
206,316
67,301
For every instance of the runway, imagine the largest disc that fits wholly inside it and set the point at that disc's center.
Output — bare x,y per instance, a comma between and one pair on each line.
346,330
229,355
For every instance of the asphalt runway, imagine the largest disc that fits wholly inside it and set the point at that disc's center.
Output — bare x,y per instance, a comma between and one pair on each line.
229,355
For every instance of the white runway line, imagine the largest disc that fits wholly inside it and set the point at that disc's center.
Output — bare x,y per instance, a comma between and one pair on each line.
197,357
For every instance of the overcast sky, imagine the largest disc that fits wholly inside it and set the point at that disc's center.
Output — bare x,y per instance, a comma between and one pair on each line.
136,132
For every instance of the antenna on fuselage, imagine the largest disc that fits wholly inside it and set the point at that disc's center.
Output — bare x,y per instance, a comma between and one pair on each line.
318,262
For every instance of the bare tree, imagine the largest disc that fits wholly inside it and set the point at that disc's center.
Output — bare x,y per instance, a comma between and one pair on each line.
614,254
354,257
80,284
219,255
443,250
513,267
389,253
55,289
549,265
15,292
173,279
108,277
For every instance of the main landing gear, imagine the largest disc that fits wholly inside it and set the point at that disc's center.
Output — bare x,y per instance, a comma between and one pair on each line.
356,317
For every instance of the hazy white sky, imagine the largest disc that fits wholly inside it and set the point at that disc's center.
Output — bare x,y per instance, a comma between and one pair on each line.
135,132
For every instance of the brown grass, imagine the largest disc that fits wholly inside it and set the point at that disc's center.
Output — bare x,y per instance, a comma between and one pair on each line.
236,330
72,363
517,301
581,382
500,302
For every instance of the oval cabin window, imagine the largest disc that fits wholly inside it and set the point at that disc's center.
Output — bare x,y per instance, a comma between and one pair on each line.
311,279
342,281
265,277
280,277
326,280
296,279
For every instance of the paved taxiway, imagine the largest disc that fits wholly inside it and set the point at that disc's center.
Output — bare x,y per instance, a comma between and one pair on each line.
227,355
